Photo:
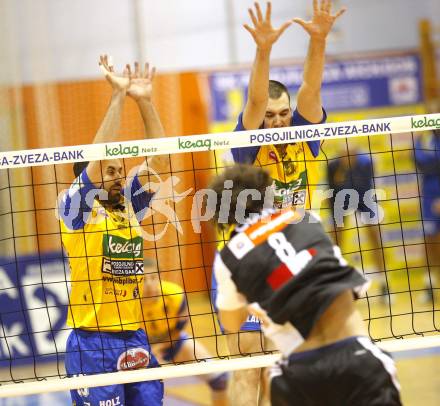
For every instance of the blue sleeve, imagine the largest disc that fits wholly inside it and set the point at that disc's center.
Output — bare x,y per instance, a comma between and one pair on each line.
139,197
77,203
427,160
245,155
364,173
298,120
183,311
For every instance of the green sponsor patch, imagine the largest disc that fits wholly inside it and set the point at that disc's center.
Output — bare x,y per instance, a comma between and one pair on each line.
118,247
296,184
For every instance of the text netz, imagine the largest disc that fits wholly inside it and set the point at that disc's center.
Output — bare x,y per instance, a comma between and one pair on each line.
310,133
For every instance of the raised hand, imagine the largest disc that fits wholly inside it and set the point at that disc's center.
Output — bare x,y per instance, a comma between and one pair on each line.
322,20
141,82
118,82
263,33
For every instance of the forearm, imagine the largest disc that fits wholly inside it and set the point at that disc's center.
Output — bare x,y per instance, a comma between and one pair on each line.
152,124
232,320
258,92
309,95
107,132
153,129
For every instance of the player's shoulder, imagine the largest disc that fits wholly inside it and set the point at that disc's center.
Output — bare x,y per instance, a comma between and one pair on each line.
171,288
257,230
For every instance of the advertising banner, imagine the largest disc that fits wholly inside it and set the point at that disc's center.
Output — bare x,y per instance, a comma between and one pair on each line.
33,302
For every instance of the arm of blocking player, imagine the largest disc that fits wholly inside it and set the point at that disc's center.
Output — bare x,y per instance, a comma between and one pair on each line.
264,36
231,305
309,102
141,91
108,130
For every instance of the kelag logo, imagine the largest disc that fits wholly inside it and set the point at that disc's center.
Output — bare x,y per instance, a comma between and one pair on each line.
188,144
117,151
118,247
425,122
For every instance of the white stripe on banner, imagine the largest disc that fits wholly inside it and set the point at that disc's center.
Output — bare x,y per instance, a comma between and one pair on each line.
386,360
210,142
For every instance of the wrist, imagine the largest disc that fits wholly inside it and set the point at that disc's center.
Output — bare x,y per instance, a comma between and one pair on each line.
119,94
264,51
143,102
319,38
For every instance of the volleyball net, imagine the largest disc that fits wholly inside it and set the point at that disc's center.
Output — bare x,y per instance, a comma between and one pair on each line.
397,249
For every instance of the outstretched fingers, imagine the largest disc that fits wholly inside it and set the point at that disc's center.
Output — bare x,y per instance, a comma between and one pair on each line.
152,73
104,64
300,21
284,27
251,31
268,11
326,6
340,12
127,71
253,18
137,70
259,13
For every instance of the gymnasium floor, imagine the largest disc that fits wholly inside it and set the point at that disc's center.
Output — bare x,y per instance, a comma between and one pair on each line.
418,370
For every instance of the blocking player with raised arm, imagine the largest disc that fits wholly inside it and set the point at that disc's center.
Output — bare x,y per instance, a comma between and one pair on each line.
268,106
268,103
282,267
166,314
102,237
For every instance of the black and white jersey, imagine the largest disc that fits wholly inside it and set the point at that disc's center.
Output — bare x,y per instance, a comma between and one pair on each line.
284,263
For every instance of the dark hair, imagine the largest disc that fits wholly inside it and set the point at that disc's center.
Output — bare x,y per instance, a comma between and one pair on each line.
243,177
276,90
78,167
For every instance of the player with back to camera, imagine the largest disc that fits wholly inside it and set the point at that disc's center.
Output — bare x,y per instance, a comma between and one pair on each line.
100,218
165,311
282,267
268,106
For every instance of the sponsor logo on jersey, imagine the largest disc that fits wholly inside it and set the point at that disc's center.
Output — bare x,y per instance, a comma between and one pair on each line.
127,280
133,358
288,194
122,257
122,267
118,247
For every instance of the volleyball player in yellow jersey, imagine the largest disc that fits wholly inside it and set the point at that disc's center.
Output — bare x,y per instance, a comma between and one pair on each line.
102,237
165,311
268,106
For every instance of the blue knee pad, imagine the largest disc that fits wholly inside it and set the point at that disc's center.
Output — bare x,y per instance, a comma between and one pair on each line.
219,382
170,352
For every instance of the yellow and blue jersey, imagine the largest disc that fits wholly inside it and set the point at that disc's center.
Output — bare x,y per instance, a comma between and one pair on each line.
294,175
165,314
105,250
